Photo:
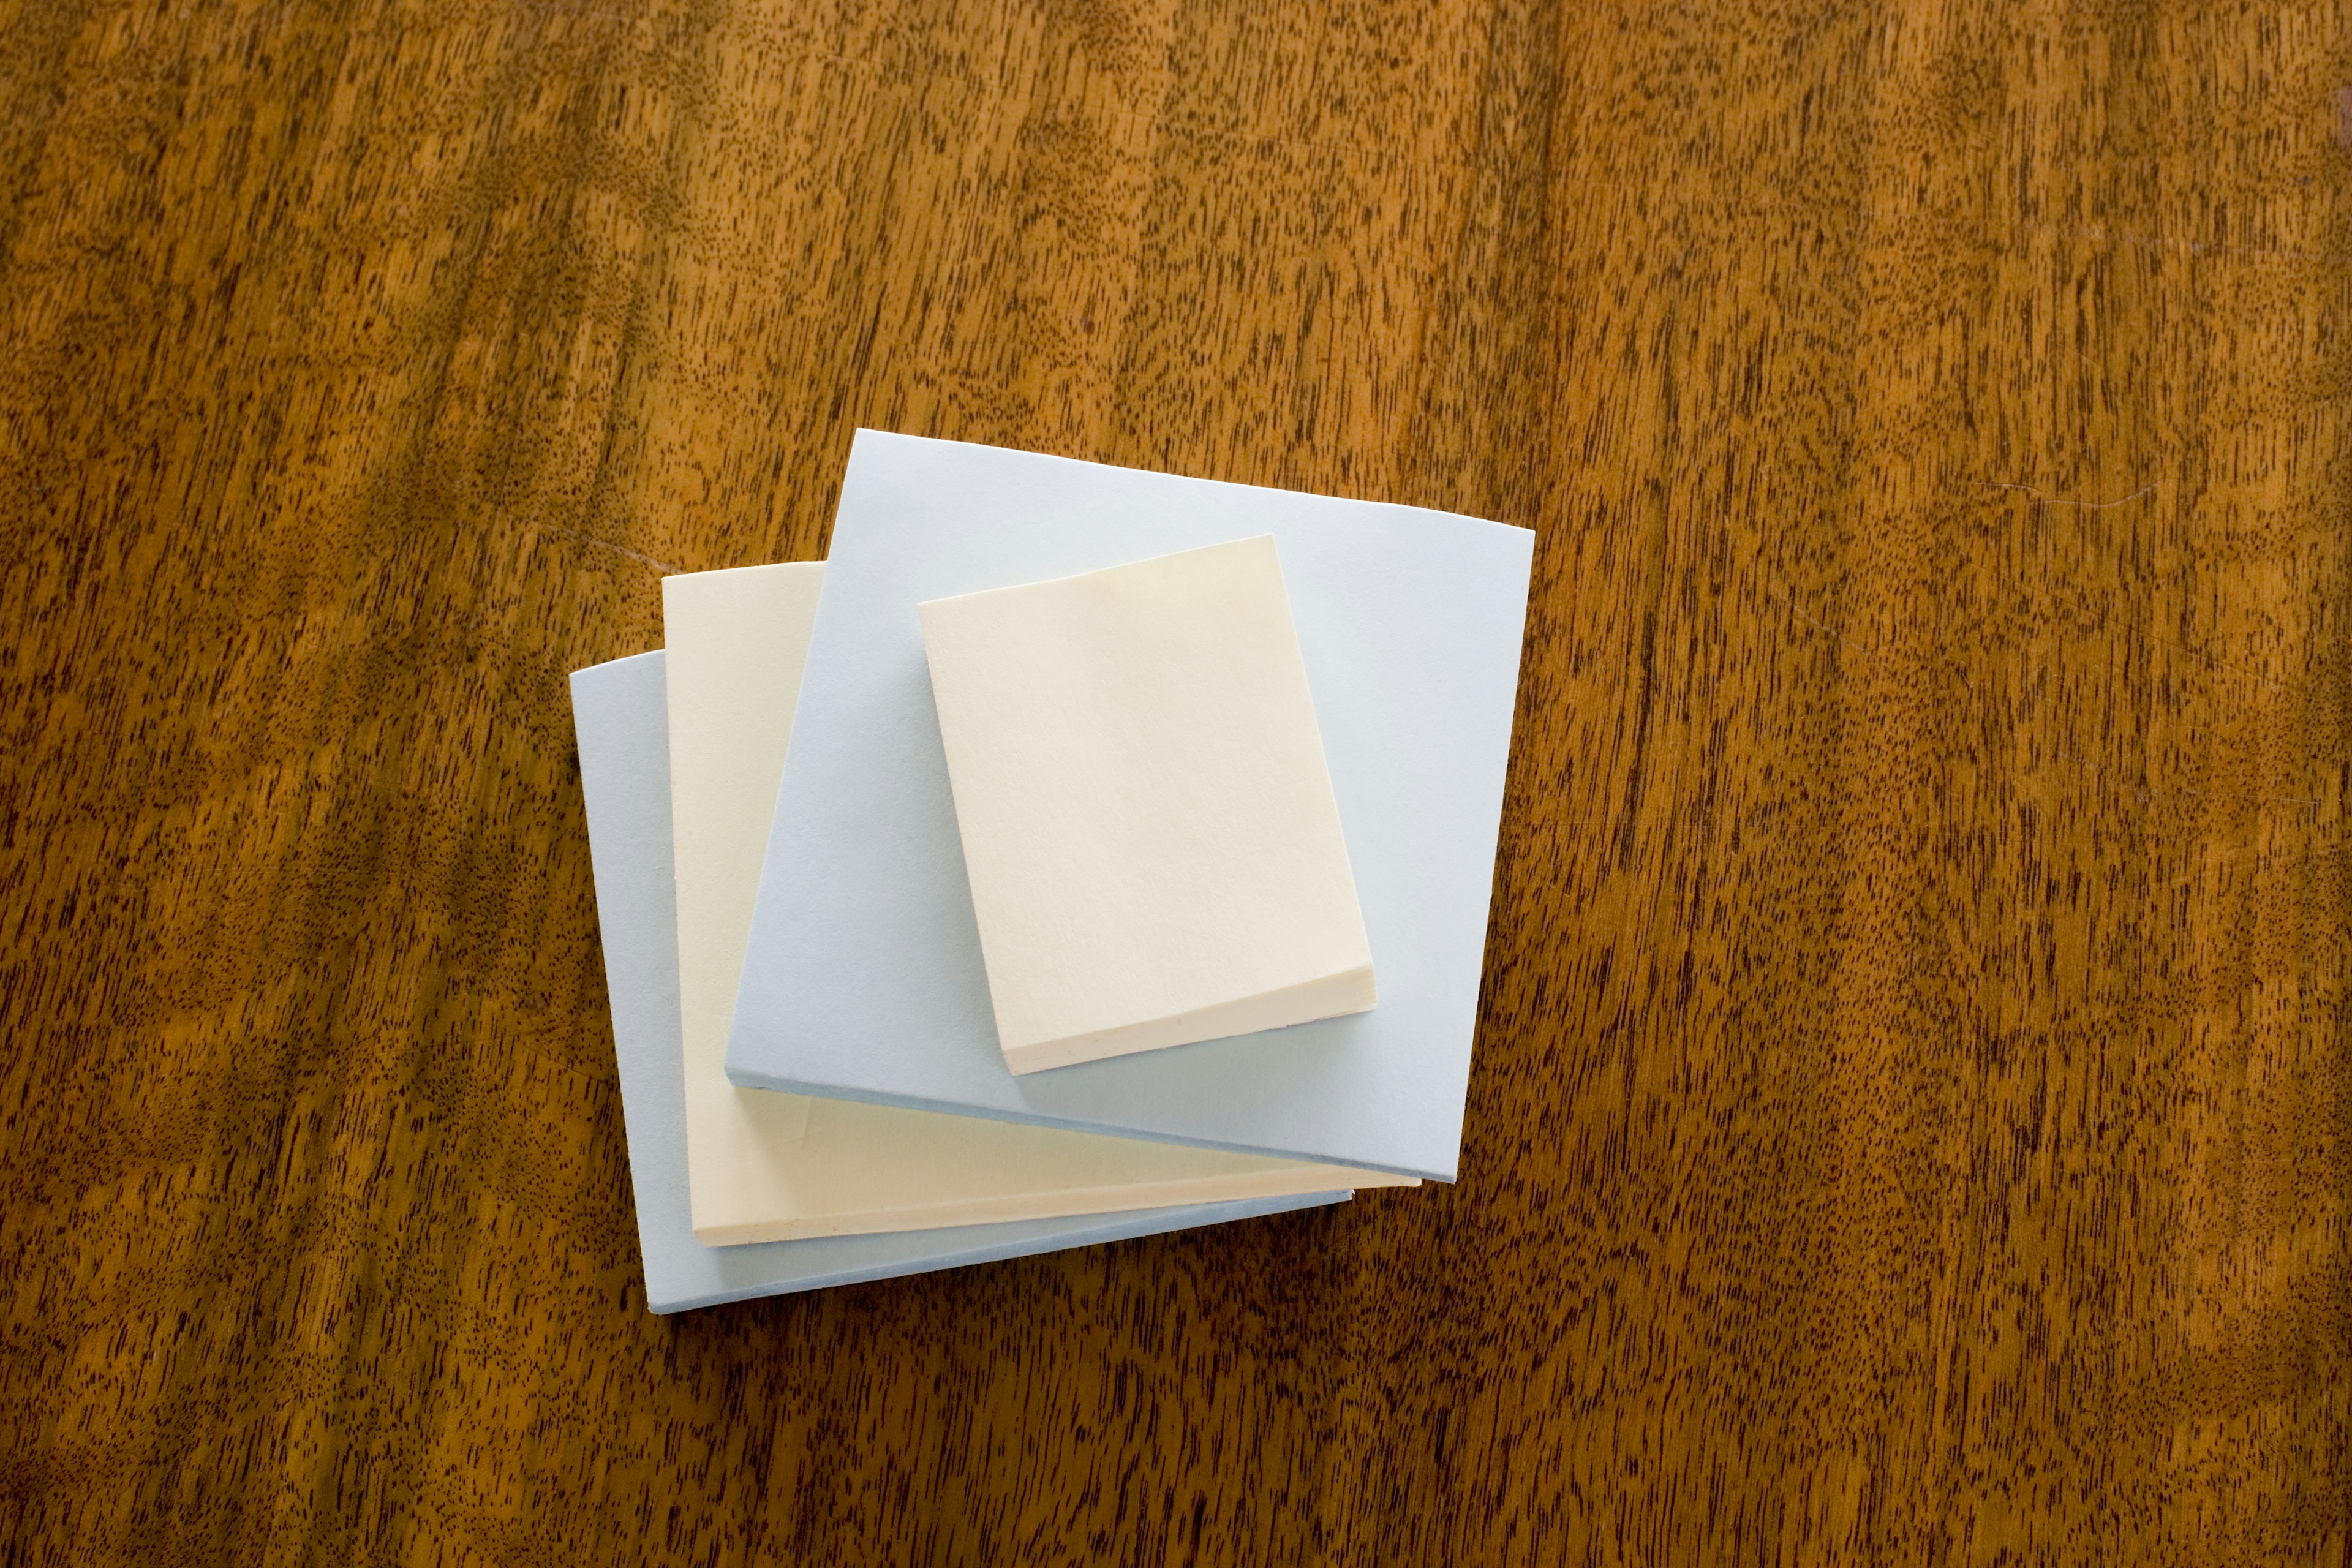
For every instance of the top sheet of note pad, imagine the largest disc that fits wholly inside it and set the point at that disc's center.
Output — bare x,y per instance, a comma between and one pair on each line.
1148,825
864,975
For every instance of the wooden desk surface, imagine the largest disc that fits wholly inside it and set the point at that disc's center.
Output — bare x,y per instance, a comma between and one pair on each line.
1911,1120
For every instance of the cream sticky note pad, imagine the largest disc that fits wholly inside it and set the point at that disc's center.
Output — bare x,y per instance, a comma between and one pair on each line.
864,977
762,1165
620,714
1148,825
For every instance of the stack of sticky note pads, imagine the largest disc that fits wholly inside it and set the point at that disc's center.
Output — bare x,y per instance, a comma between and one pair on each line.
1080,853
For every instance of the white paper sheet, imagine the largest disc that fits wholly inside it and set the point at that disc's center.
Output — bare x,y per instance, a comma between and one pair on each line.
864,975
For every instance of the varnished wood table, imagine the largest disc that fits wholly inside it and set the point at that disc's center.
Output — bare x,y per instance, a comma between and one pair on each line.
1911,1120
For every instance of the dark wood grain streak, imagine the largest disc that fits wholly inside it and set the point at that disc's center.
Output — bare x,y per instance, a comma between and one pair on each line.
1911,1119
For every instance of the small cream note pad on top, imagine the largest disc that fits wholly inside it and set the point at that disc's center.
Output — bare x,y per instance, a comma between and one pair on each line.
1148,829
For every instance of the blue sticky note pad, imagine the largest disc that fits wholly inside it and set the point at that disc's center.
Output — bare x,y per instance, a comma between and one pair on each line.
864,979
620,714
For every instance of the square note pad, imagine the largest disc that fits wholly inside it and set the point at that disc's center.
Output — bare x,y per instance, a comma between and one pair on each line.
1147,819
863,977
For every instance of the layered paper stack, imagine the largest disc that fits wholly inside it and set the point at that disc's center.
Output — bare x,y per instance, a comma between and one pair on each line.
1081,853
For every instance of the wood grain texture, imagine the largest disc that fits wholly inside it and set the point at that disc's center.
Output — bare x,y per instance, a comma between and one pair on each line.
1911,1119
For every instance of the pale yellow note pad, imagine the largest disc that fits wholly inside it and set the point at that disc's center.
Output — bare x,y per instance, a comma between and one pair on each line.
764,1166
1149,828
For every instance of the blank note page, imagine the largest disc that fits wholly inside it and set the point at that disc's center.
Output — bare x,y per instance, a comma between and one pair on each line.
1148,830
